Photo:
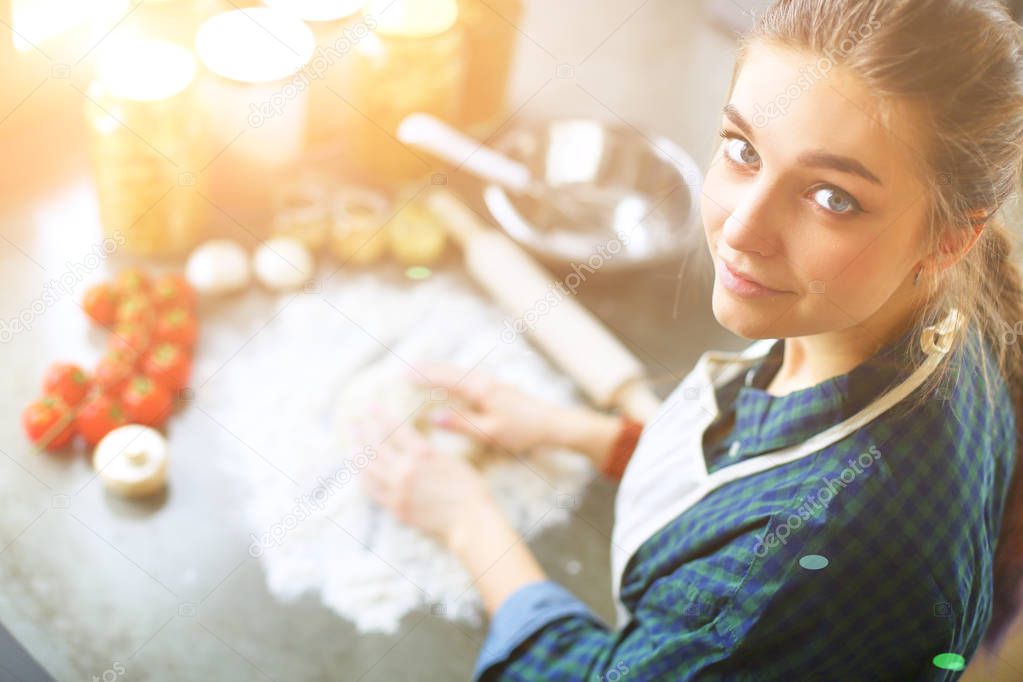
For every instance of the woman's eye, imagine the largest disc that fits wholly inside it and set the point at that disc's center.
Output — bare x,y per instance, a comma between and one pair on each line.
835,200
740,151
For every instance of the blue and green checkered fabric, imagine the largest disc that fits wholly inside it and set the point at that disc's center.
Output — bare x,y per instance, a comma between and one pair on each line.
869,560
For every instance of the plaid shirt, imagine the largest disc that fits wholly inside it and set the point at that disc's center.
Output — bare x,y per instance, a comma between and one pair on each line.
869,560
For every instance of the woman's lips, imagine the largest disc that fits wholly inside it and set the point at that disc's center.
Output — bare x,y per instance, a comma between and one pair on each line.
743,286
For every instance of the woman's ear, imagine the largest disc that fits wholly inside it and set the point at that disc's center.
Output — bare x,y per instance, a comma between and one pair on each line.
954,245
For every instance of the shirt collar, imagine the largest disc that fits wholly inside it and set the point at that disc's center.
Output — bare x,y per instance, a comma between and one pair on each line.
764,422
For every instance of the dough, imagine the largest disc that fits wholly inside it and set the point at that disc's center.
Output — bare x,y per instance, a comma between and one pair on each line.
348,553
132,461
380,396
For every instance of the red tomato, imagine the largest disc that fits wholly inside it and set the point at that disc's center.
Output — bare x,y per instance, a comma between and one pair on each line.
41,422
113,371
177,326
168,365
100,304
146,402
66,381
131,281
131,339
173,291
98,416
137,309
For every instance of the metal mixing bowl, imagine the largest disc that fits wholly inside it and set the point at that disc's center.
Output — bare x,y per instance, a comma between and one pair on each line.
602,191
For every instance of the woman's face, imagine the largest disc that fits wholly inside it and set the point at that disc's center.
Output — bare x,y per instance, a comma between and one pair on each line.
813,199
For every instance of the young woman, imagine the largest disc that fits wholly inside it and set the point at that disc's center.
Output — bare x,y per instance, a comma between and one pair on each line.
837,502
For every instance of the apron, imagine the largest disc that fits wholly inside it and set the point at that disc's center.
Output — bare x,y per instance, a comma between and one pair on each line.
667,474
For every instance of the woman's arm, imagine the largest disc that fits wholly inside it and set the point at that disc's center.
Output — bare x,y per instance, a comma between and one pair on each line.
586,431
515,420
493,553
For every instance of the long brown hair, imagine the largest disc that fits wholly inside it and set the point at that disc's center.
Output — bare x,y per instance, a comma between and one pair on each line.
958,66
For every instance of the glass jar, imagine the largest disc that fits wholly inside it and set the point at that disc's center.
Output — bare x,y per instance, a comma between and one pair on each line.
172,20
337,26
146,147
491,33
302,212
411,62
359,218
415,234
254,99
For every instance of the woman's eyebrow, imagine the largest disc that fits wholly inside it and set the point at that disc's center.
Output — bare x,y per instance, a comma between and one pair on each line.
843,164
741,123
813,159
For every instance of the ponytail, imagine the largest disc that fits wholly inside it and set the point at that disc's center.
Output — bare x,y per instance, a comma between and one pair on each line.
1004,290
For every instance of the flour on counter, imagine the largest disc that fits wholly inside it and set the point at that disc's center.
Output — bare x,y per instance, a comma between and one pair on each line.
320,365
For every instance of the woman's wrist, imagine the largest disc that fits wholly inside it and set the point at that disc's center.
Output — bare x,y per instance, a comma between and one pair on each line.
586,431
496,557
463,532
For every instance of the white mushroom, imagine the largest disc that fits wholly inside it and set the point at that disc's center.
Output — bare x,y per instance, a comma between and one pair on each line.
283,263
132,461
218,267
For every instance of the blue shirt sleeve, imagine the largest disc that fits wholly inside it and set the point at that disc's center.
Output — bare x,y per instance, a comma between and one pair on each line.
525,612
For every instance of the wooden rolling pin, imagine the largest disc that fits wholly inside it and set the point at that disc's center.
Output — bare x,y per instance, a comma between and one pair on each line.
570,335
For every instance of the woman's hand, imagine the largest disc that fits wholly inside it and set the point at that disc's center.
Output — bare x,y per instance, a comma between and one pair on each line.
513,420
495,413
424,488
449,499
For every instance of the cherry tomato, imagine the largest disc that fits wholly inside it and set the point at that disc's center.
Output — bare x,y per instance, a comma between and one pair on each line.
173,291
113,371
100,304
168,365
40,421
137,309
131,339
131,281
146,402
177,326
99,415
66,381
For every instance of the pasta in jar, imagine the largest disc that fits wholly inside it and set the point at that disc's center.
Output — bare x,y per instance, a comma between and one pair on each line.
412,62
145,145
491,30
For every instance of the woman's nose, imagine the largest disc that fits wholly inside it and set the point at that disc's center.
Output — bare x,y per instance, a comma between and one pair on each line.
750,226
